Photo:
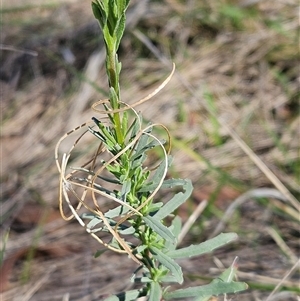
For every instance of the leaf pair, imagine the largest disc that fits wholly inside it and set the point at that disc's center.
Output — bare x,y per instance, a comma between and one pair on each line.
111,16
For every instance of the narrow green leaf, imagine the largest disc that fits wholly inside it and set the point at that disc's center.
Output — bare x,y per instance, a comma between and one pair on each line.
159,228
170,183
122,5
143,140
111,16
93,223
125,189
127,296
133,129
119,30
207,298
168,279
176,201
97,134
146,146
154,207
88,215
155,291
139,251
169,263
205,247
119,67
175,228
125,123
156,178
99,253
99,13
113,98
229,274
118,211
226,276
160,171
212,289
126,231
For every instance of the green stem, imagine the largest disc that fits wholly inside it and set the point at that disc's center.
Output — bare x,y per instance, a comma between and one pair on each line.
113,75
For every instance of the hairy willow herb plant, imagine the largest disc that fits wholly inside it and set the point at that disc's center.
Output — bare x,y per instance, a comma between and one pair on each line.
119,171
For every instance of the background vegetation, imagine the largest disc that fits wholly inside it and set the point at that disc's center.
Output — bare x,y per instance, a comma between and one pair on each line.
237,67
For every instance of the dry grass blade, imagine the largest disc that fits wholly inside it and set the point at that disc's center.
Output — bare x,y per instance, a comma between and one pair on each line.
284,207
38,284
266,279
191,220
262,166
286,276
23,51
282,245
255,193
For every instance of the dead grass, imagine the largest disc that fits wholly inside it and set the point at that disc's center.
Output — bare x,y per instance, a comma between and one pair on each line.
240,67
